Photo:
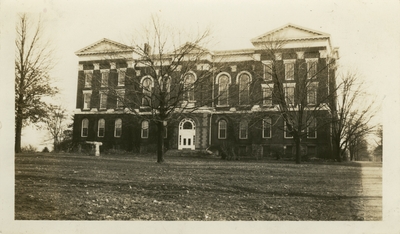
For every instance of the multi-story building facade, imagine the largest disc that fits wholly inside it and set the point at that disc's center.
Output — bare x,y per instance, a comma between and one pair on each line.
244,91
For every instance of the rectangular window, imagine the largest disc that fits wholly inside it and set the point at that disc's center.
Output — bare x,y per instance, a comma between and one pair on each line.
312,65
101,128
118,128
104,78
312,95
121,77
289,70
145,129
85,127
103,101
267,123
88,79
86,100
120,98
222,129
312,128
286,132
243,131
267,71
289,95
267,96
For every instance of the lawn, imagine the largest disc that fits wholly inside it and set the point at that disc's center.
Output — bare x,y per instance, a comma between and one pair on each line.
133,187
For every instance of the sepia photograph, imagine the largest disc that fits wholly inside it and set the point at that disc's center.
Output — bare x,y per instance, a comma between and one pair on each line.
200,116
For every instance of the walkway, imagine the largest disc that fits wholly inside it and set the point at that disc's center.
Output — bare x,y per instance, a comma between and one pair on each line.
372,191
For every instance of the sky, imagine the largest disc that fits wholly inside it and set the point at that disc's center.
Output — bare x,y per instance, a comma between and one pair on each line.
367,33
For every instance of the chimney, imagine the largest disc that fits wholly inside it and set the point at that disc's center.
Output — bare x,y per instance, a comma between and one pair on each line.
147,49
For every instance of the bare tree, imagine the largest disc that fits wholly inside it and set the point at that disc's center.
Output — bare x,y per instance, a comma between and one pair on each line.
358,149
168,88
55,123
351,115
302,99
378,149
33,62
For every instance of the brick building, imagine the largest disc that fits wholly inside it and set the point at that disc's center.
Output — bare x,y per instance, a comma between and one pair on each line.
241,89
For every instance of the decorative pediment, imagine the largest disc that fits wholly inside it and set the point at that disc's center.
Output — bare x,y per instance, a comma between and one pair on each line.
290,32
104,46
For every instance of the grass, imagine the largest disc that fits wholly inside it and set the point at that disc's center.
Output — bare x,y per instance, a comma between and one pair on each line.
132,187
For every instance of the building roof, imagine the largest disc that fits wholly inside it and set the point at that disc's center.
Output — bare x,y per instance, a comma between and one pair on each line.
290,32
293,35
104,46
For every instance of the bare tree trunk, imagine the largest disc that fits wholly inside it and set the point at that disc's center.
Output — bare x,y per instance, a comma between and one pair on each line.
160,142
18,131
298,150
55,143
337,150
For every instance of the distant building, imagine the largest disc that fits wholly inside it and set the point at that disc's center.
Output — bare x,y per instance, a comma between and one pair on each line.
102,118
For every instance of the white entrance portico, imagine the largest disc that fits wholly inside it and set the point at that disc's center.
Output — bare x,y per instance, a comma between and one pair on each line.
187,134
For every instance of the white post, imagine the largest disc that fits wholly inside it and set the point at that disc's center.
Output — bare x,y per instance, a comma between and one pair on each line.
97,146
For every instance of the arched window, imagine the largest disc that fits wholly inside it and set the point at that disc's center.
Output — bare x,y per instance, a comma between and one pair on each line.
145,129
118,128
223,89
85,127
101,128
189,80
222,129
244,89
147,86
243,129
165,88
165,84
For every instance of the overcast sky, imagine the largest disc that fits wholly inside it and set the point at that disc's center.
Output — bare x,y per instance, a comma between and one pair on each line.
366,32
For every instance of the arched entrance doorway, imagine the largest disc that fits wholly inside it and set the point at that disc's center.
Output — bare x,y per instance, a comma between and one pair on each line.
187,134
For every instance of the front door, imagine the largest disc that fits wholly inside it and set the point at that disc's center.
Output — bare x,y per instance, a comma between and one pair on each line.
187,134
